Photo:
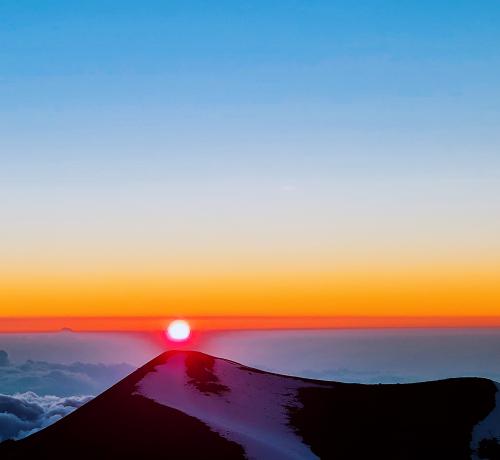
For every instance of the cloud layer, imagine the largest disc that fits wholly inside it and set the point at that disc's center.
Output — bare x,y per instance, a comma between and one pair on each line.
45,378
22,414
36,394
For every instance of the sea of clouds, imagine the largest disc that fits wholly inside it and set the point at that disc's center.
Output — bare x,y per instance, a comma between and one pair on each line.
47,378
35,394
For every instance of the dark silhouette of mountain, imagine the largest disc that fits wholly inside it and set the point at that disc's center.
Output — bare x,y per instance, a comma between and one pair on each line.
188,405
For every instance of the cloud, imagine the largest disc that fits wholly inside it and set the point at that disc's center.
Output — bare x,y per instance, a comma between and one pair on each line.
355,376
4,358
288,188
22,414
45,378
37,393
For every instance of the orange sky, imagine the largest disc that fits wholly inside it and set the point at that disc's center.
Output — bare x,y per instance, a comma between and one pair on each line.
471,294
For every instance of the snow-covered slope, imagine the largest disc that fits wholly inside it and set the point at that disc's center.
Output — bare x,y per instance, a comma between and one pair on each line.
188,405
243,405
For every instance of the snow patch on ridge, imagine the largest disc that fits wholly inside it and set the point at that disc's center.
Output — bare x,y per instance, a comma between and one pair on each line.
488,428
244,406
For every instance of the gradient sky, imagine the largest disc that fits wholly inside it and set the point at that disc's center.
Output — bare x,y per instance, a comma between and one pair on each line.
255,157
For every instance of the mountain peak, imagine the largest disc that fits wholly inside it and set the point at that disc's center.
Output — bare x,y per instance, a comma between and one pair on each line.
190,405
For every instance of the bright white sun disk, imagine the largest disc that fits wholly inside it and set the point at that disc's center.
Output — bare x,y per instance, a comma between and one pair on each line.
178,330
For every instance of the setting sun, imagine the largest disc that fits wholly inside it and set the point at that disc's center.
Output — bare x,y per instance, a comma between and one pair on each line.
178,330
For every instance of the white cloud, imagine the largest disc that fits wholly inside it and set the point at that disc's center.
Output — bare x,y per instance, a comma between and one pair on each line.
36,394
22,414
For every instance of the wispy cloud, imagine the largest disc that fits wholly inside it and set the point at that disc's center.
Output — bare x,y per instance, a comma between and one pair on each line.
46,378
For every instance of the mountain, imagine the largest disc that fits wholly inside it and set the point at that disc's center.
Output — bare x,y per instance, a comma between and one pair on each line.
188,405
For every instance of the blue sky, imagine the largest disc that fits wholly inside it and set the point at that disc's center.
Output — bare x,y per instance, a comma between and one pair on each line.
90,86
260,68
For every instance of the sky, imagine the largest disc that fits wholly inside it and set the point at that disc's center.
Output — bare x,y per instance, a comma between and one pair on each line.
183,158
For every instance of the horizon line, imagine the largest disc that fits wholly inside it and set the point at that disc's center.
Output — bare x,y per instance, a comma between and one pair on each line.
32,324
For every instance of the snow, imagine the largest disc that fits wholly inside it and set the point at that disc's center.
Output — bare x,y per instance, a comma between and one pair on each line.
250,411
489,427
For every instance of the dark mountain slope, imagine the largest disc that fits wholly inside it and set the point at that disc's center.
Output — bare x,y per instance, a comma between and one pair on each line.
431,420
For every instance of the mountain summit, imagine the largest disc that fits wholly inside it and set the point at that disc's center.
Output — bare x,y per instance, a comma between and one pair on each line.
189,405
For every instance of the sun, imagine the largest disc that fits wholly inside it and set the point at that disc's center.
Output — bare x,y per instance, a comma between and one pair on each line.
178,330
